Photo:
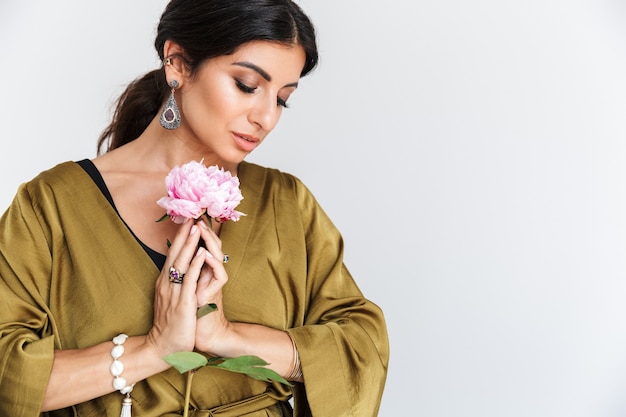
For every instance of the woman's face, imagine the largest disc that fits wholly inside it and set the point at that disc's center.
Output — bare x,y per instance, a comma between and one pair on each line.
234,101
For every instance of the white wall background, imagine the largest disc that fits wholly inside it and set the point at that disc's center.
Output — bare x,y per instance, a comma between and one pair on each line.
472,154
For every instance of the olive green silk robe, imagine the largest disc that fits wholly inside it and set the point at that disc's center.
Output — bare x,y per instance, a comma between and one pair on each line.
72,275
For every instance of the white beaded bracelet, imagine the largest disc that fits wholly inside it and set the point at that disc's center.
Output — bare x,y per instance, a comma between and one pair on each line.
117,367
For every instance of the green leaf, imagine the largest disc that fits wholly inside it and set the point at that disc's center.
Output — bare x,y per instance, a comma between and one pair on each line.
165,216
253,366
250,365
242,362
185,361
266,374
206,309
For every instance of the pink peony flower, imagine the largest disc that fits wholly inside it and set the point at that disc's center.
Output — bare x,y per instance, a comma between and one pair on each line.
194,190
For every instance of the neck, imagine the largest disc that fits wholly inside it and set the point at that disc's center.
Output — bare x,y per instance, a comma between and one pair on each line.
166,149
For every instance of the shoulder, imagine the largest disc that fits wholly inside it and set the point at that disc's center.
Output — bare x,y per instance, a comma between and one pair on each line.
65,173
286,192
63,181
257,176
41,199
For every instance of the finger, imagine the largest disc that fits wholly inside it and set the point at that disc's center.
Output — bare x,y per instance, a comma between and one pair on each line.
212,279
216,263
219,275
211,234
187,251
180,239
203,295
212,242
177,262
195,269
206,275
173,251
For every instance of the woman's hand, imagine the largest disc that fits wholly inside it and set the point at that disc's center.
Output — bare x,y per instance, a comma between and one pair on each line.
211,328
175,305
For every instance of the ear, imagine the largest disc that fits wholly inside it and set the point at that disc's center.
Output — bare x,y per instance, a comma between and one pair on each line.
175,68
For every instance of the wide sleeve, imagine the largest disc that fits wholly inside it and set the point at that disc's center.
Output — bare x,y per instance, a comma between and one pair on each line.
343,344
26,341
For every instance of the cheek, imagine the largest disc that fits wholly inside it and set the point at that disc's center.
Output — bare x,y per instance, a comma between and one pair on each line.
221,99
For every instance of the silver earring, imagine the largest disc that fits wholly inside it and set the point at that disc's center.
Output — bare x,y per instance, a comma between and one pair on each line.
170,117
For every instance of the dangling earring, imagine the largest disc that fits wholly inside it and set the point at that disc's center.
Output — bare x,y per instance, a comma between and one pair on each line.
170,117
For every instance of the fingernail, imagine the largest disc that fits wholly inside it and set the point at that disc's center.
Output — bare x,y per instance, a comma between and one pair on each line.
200,250
208,254
194,230
203,223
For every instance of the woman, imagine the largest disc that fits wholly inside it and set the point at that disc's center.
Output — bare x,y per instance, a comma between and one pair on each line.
84,261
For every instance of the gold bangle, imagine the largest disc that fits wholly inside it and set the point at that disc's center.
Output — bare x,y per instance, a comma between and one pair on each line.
295,373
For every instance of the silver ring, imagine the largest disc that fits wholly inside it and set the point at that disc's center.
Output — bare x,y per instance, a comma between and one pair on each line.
176,276
226,259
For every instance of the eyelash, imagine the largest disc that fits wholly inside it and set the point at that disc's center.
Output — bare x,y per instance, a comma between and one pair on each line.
282,103
249,90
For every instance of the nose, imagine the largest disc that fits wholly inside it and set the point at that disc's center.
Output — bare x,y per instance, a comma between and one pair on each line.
265,113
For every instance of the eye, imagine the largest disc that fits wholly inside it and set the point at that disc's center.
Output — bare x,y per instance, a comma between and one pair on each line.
250,90
245,88
282,103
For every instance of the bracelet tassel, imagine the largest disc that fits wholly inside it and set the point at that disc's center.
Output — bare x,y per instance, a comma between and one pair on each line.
127,404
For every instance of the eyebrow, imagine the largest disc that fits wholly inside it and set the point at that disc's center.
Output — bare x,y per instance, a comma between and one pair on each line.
260,71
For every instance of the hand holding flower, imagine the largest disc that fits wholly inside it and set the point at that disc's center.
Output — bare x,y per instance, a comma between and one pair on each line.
193,190
174,323
212,327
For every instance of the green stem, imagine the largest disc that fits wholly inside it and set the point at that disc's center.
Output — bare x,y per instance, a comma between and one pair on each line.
188,392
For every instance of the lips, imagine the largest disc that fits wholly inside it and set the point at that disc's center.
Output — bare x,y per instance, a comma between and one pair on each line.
245,142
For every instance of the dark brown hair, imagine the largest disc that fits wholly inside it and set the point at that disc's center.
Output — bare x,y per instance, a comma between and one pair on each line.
206,29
